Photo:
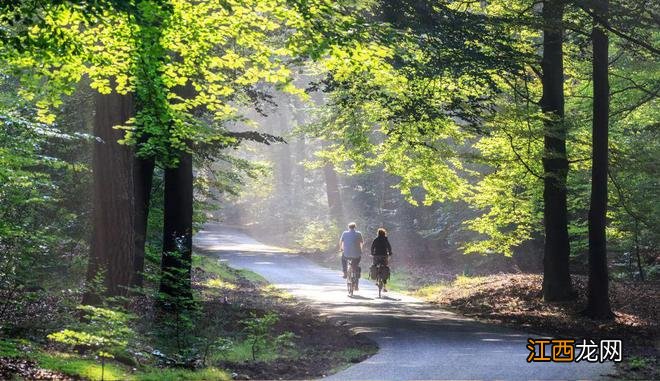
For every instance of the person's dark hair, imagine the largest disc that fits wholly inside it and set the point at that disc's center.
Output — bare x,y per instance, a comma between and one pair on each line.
382,232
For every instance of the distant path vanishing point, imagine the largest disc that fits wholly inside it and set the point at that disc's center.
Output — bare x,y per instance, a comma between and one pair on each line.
418,341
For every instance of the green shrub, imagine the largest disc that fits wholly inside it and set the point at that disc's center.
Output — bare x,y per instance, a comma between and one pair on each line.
260,334
102,330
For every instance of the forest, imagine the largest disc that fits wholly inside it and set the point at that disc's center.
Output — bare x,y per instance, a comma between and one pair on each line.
509,148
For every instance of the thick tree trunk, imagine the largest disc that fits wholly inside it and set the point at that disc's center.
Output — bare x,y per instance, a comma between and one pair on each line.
112,247
598,304
177,230
556,277
335,205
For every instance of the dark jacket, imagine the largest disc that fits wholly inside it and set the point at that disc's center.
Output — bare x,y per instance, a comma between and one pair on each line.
381,247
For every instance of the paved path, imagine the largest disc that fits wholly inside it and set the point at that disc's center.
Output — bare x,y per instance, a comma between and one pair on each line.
417,340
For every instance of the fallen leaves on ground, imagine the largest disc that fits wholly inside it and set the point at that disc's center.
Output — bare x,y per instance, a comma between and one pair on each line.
10,368
517,300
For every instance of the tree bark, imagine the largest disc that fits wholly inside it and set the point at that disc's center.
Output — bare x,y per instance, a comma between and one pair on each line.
177,230
143,173
598,304
556,277
112,246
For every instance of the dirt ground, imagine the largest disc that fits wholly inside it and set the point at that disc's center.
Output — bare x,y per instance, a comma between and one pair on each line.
320,346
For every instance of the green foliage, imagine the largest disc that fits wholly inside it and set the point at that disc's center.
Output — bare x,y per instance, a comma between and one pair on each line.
638,362
103,330
176,57
214,266
9,348
89,369
260,336
352,355
317,236
182,374
43,226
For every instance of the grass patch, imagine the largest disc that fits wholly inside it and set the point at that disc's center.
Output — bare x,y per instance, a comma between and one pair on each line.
215,267
352,355
91,369
9,348
156,374
638,362
252,276
242,352
400,281
219,284
86,368
462,286
224,272
276,292
431,290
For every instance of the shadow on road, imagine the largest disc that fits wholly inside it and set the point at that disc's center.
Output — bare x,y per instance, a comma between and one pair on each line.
360,297
424,341
385,297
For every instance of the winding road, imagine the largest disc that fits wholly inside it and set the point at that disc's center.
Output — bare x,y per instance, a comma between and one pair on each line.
417,341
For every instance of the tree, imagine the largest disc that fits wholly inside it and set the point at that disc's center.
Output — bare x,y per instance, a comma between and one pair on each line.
556,277
598,304
112,250
178,230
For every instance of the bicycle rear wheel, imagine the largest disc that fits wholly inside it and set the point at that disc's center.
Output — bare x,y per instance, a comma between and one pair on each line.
349,285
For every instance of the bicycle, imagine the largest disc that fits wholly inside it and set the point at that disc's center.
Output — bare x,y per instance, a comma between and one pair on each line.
352,276
380,274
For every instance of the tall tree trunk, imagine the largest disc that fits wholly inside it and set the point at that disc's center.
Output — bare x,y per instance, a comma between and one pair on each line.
335,205
556,277
598,303
177,230
112,247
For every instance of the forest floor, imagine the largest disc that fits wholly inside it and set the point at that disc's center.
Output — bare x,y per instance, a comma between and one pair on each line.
516,300
318,348
299,344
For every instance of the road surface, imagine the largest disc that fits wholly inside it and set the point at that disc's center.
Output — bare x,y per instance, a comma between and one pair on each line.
417,341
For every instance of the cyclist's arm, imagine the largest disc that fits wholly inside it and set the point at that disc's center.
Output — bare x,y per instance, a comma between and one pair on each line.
341,242
373,247
389,247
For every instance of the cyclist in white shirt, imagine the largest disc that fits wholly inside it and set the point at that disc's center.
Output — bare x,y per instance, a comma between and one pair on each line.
350,244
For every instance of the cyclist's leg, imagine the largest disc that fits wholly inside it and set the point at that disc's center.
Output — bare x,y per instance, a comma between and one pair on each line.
343,265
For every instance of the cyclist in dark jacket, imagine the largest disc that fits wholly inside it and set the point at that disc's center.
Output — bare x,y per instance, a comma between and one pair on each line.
381,249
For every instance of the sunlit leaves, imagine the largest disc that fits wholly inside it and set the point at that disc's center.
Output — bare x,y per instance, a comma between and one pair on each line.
103,330
218,48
